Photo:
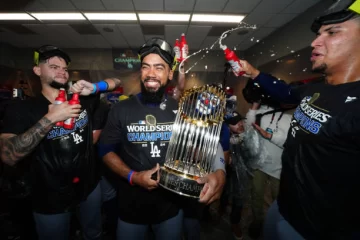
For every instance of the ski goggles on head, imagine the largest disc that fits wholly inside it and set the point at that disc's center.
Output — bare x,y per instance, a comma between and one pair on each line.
332,18
160,47
48,51
349,9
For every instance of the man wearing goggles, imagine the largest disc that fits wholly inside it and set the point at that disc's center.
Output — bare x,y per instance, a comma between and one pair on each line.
319,184
64,172
134,143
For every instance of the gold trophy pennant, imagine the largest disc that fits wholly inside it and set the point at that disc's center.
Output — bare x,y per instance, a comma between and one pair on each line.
194,140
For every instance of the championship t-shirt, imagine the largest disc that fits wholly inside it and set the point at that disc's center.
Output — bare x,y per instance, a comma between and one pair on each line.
321,163
140,135
63,167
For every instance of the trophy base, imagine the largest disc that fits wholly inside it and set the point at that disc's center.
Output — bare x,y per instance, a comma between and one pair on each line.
179,183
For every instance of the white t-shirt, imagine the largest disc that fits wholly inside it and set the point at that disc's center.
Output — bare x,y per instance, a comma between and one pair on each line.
279,123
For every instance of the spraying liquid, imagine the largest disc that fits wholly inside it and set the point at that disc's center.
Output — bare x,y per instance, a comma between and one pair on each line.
222,37
70,122
59,100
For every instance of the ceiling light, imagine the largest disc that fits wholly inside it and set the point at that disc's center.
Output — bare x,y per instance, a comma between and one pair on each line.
111,16
164,17
217,18
15,16
58,16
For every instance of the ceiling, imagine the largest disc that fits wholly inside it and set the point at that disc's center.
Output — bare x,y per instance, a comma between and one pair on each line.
267,15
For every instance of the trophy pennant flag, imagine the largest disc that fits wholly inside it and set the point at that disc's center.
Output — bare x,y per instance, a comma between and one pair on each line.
194,140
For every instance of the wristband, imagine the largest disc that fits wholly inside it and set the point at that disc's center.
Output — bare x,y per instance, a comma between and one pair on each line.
129,177
102,86
94,90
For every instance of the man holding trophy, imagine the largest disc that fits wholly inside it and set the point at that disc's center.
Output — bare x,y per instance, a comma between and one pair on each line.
140,135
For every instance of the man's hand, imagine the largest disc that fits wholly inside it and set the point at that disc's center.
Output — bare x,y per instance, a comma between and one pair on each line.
249,70
214,184
82,87
255,106
61,112
144,180
263,133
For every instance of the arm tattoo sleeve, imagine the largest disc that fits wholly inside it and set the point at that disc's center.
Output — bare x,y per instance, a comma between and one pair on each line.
17,147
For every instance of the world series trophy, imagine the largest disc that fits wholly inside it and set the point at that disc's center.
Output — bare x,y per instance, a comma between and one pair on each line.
194,140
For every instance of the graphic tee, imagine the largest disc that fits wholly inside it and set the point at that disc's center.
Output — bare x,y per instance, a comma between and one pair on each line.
321,163
63,167
141,134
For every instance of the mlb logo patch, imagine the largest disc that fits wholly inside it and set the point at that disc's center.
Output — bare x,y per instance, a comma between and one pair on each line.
142,122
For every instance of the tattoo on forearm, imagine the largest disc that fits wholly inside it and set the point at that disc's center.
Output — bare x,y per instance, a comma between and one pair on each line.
17,147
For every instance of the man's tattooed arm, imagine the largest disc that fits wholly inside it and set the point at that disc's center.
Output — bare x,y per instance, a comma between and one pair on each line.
15,147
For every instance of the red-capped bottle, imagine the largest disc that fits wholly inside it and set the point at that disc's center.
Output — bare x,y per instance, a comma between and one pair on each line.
177,50
233,60
70,122
59,100
184,48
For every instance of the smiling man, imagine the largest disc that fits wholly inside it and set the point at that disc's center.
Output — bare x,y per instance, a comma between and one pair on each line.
319,184
63,170
134,144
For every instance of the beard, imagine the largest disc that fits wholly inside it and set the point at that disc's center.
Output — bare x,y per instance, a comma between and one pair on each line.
58,85
320,69
150,95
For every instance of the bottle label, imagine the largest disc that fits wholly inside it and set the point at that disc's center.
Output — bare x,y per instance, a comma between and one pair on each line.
58,102
69,123
185,51
235,65
177,53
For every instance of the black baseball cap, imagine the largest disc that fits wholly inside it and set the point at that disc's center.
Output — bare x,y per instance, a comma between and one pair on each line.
234,118
339,12
48,51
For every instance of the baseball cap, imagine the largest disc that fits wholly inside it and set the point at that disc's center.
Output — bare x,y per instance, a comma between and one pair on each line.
47,51
160,47
234,118
339,12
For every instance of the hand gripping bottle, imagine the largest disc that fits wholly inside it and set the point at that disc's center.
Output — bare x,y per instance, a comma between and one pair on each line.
233,60
177,50
59,100
70,122
184,48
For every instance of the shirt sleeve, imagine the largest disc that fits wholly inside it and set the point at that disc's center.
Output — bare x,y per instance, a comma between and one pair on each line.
279,90
112,132
15,118
250,117
219,161
225,137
